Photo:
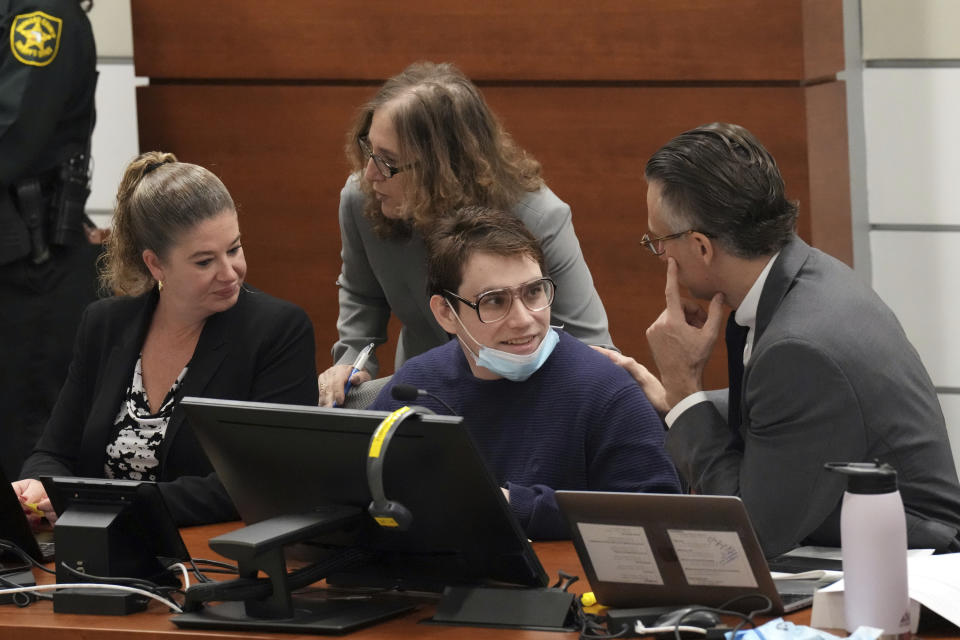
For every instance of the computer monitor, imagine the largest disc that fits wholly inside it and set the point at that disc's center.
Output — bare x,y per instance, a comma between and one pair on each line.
278,459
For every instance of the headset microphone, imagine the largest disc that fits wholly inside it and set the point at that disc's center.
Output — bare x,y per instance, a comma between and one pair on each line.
388,513
409,393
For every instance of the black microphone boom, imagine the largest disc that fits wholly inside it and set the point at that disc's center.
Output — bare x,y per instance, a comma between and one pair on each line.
409,393
405,392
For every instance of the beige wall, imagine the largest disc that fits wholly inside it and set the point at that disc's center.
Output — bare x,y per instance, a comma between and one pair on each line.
911,95
115,136
111,28
911,29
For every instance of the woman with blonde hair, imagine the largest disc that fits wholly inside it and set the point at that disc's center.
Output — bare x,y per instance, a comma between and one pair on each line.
182,323
425,146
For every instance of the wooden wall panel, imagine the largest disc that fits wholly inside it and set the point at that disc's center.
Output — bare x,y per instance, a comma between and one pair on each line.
263,93
602,40
279,151
829,170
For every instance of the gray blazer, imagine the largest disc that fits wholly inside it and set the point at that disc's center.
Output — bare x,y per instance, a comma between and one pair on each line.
382,276
832,377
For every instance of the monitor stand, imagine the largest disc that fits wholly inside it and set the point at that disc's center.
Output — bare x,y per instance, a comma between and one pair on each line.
260,547
327,617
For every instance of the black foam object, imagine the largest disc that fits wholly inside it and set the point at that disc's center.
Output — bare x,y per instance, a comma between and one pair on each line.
543,609
99,602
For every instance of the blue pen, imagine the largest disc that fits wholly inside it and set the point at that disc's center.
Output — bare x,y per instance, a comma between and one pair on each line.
358,364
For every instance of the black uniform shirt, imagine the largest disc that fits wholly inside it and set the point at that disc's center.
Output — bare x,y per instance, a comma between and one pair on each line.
47,83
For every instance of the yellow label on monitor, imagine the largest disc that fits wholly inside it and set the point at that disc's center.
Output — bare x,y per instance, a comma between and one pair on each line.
386,521
376,443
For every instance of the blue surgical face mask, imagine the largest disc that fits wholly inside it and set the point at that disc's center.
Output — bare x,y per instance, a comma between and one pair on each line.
512,366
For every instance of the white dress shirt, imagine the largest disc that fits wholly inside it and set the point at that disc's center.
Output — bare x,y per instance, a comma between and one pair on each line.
746,316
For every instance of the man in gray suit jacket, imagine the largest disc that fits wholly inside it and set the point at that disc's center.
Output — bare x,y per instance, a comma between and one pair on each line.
822,371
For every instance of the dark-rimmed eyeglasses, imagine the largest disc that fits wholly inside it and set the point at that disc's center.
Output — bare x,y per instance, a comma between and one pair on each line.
494,305
655,245
386,169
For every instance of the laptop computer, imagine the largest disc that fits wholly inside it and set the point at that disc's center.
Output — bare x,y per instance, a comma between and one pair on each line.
644,550
15,528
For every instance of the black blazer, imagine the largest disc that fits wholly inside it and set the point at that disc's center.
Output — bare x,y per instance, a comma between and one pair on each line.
260,349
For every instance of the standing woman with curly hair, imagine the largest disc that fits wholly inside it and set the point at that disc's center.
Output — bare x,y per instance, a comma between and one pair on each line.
425,146
182,323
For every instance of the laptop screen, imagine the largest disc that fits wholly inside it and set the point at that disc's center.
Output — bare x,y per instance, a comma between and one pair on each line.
642,550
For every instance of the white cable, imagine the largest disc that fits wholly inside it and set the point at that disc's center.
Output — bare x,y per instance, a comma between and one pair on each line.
91,585
639,629
183,570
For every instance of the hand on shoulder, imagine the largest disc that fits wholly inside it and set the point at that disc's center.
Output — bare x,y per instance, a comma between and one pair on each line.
651,386
331,382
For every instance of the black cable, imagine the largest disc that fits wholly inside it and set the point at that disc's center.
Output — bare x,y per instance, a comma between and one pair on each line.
258,588
219,567
564,581
7,545
592,626
721,610
724,609
164,591
216,563
21,599
227,572
201,578
749,618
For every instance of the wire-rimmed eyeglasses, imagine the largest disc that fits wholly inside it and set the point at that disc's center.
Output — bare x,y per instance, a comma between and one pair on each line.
655,245
386,169
494,305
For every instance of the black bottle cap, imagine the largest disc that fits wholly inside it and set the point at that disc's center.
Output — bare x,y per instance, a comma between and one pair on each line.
866,477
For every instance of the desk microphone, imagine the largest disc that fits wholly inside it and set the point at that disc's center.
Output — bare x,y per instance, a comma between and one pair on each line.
409,393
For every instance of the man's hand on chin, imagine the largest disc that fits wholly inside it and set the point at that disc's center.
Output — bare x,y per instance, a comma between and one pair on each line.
681,340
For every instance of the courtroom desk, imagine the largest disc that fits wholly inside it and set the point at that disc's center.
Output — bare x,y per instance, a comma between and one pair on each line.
40,622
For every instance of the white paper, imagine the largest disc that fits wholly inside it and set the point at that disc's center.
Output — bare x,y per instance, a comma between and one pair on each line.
714,558
809,551
933,581
815,574
620,553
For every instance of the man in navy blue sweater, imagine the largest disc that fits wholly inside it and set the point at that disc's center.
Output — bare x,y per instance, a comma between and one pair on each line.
546,411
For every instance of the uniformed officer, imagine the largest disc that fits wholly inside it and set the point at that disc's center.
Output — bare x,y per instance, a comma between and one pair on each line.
47,263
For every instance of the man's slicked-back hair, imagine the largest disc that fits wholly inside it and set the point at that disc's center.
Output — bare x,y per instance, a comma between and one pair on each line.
475,229
718,179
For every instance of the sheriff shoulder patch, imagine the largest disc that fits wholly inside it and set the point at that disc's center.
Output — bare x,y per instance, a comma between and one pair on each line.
35,38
